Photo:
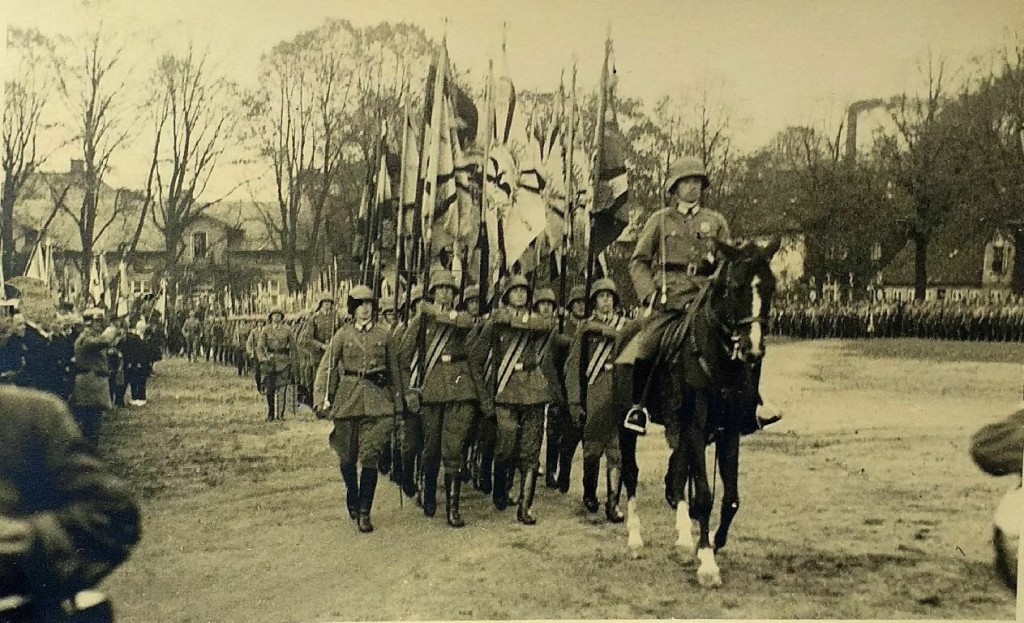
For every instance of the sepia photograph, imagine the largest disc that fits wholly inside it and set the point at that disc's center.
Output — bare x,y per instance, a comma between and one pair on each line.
433,310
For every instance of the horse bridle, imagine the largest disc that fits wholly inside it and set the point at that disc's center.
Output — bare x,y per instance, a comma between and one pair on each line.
732,328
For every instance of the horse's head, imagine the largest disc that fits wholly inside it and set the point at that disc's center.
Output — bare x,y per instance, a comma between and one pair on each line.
744,286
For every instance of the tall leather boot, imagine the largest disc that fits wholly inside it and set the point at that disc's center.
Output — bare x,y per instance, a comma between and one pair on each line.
486,474
348,474
367,487
613,481
271,399
551,467
409,475
430,491
510,485
500,492
452,495
527,489
565,469
591,473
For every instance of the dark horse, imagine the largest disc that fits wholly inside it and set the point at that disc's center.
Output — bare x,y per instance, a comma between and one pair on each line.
704,390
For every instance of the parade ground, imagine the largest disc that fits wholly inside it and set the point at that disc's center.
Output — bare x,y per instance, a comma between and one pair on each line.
863,503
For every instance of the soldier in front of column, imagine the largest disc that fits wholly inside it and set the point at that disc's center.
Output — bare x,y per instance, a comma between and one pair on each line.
313,340
591,395
90,398
521,391
570,433
412,423
357,374
275,351
192,331
443,394
544,304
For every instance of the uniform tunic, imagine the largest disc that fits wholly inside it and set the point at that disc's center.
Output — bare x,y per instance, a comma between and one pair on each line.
313,340
601,426
357,371
449,389
275,349
674,249
519,406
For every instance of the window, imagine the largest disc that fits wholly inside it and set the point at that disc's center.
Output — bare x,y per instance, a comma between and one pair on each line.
998,257
199,247
140,286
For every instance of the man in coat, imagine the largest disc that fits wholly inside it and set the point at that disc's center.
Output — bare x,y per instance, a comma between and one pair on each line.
275,350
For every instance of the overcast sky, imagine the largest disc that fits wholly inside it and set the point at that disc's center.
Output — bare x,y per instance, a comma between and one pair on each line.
774,63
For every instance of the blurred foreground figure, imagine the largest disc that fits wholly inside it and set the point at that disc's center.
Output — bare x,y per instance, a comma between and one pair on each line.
998,449
66,521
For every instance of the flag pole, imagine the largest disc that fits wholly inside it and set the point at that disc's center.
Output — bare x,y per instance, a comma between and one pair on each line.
596,173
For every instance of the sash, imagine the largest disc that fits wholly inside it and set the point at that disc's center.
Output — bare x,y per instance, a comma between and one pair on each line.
511,358
433,354
601,354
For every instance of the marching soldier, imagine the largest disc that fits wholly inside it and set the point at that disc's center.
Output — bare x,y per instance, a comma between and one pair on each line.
315,336
521,391
90,397
357,373
192,330
591,395
443,394
275,349
484,432
412,424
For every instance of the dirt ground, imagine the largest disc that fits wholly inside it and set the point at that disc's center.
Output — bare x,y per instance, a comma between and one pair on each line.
861,504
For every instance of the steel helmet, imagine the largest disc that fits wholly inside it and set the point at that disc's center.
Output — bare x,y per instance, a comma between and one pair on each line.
545,294
416,294
687,166
276,310
605,285
515,281
444,279
387,306
471,292
361,293
578,293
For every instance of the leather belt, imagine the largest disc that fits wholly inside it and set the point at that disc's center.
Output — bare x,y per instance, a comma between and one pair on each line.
377,377
690,269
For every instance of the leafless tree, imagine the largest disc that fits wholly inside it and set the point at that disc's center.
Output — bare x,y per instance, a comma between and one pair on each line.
193,115
93,84
26,94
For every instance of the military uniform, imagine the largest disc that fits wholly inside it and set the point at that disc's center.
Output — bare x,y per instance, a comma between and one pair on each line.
591,391
192,332
357,372
521,391
90,397
446,396
275,350
566,432
315,335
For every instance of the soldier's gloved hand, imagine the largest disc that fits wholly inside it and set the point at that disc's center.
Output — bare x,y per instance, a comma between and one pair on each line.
428,308
412,401
578,414
501,317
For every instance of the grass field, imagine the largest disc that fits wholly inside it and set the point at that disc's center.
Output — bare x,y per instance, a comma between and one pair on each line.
861,503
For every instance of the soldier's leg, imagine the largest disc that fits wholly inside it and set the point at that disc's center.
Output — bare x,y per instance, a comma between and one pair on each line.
270,385
458,419
613,477
411,443
373,435
553,431
488,439
504,449
433,420
592,450
344,441
532,434
571,436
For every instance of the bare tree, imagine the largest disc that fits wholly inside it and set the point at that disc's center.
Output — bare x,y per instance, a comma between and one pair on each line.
299,124
25,96
194,118
924,164
93,86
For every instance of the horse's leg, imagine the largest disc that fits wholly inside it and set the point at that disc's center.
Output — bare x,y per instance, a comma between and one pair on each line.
679,473
728,448
630,477
702,501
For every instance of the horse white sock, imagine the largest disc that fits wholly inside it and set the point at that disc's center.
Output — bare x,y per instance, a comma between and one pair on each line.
708,573
684,539
633,525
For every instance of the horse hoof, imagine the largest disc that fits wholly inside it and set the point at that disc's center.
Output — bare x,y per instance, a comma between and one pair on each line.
709,579
635,553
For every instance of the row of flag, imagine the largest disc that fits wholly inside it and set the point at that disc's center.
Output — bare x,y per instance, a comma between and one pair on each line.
531,161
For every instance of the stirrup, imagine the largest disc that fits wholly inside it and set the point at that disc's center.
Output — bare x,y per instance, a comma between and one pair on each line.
637,419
